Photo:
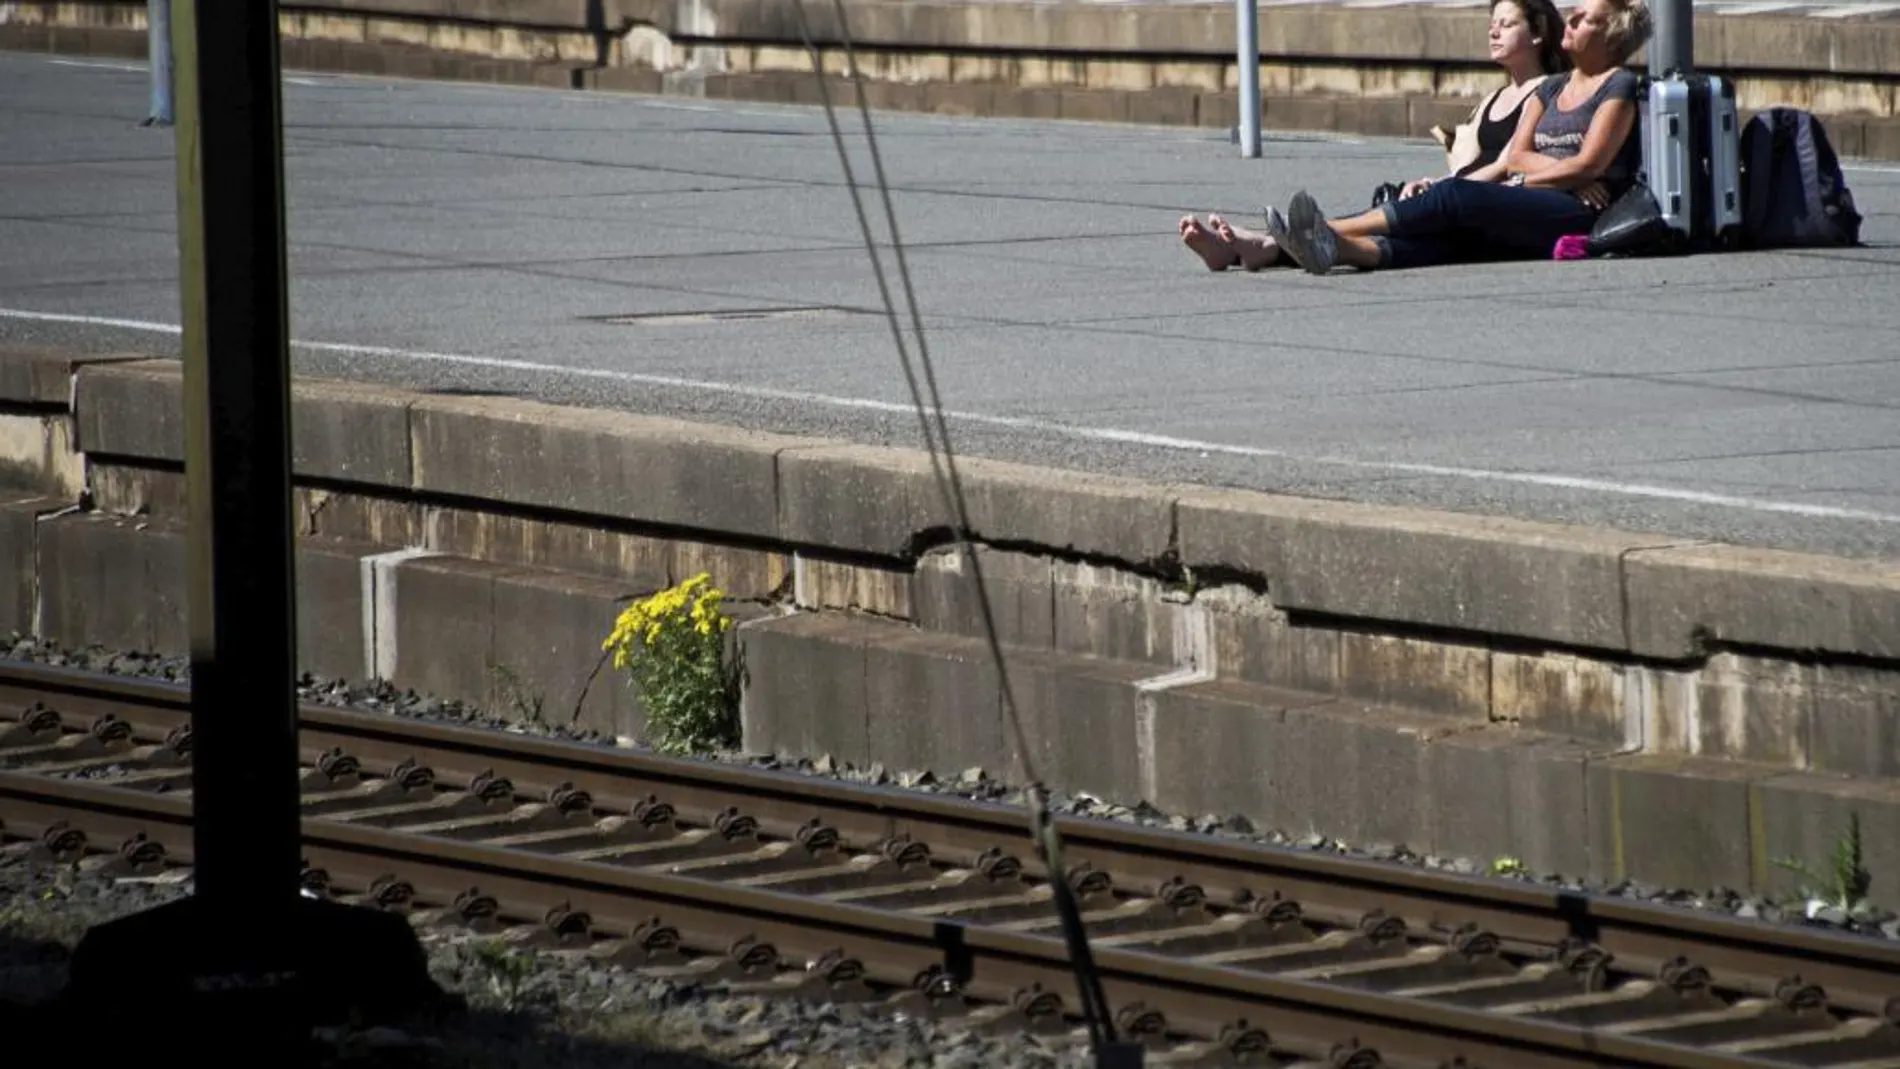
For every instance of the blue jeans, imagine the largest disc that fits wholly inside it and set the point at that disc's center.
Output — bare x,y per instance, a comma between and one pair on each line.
1458,220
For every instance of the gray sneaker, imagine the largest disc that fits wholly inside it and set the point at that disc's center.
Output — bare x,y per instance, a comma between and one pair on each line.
1308,239
1278,229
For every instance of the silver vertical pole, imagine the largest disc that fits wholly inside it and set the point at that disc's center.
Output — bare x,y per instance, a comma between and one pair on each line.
158,19
1673,46
1247,56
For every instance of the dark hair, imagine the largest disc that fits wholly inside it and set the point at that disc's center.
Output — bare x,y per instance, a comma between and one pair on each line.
1547,27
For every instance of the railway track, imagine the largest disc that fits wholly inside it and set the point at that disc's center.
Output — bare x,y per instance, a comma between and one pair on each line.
1212,952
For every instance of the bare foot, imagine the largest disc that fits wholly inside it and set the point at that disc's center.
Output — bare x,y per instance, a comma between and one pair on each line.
1256,250
1212,250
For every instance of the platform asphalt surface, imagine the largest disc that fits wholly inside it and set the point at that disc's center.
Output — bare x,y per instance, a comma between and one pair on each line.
594,249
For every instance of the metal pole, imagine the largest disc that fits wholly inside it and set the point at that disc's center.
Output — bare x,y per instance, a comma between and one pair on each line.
158,28
1247,56
1673,46
245,964
237,462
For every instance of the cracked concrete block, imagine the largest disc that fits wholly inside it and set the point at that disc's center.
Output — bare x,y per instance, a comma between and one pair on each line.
820,583
1477,574
1684,597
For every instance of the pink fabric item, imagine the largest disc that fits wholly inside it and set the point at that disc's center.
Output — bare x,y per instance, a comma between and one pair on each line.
1571,247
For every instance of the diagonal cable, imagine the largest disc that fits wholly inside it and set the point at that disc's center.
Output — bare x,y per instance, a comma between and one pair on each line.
950,487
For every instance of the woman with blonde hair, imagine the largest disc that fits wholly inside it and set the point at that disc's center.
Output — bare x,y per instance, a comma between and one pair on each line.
1525,39
1575,151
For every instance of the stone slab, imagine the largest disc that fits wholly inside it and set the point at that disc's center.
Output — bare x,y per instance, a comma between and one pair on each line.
36,454
1685,598
1081,716
1488,575
1856,721
1765,46
1508,792
548,664
42,376
132,410
1225,746
931,702
823,583
887,502
1104,611
444,613
1562,694
805,687
331,616
1748,708
1297,763
351,432
1069,512
19,587
112,582
131,490
858,499
1020,588
1326,31
866,690
593,461
1675,821
1254,642
639,561
1431,677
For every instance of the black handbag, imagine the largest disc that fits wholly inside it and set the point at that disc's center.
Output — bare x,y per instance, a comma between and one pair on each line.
1386,191
1632,225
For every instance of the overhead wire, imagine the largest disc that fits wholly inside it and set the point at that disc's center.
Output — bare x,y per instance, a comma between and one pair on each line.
936,435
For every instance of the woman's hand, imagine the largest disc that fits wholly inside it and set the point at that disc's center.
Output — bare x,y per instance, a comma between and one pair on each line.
1414,188
1594,196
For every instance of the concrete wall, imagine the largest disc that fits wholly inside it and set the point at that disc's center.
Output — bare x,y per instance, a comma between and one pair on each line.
1384,71
1591,701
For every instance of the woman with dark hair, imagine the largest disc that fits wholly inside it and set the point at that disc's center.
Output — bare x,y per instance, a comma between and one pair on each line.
1575,151
1525,40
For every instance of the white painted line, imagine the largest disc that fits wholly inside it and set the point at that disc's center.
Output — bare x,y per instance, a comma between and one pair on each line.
1849,11
95,65
1755,9
1553,481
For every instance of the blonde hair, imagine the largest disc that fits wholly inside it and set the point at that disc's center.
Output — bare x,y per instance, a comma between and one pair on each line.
1631,25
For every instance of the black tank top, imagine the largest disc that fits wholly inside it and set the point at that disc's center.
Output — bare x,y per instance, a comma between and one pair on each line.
1493,136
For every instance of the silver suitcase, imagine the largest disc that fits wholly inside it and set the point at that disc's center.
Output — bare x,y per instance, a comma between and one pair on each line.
1692,156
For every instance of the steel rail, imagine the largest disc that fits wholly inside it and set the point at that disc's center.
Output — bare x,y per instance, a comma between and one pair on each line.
1744,955
1193,997
1778,965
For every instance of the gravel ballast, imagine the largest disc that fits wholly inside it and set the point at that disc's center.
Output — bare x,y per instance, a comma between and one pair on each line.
517,1008
977,784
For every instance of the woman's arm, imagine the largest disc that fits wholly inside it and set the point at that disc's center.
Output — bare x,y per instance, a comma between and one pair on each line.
1518,155
1609,128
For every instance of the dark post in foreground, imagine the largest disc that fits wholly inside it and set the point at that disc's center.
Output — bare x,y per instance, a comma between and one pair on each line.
237,462
246,950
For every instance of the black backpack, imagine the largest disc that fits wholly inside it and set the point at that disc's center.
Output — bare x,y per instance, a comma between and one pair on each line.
1793,193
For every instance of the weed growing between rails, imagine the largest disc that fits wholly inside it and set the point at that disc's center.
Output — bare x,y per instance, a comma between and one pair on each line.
673,647
1844,887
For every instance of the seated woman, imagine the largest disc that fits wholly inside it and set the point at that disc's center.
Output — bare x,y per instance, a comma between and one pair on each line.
1525,41
1575,151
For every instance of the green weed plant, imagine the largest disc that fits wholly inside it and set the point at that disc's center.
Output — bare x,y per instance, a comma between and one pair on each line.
672,645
